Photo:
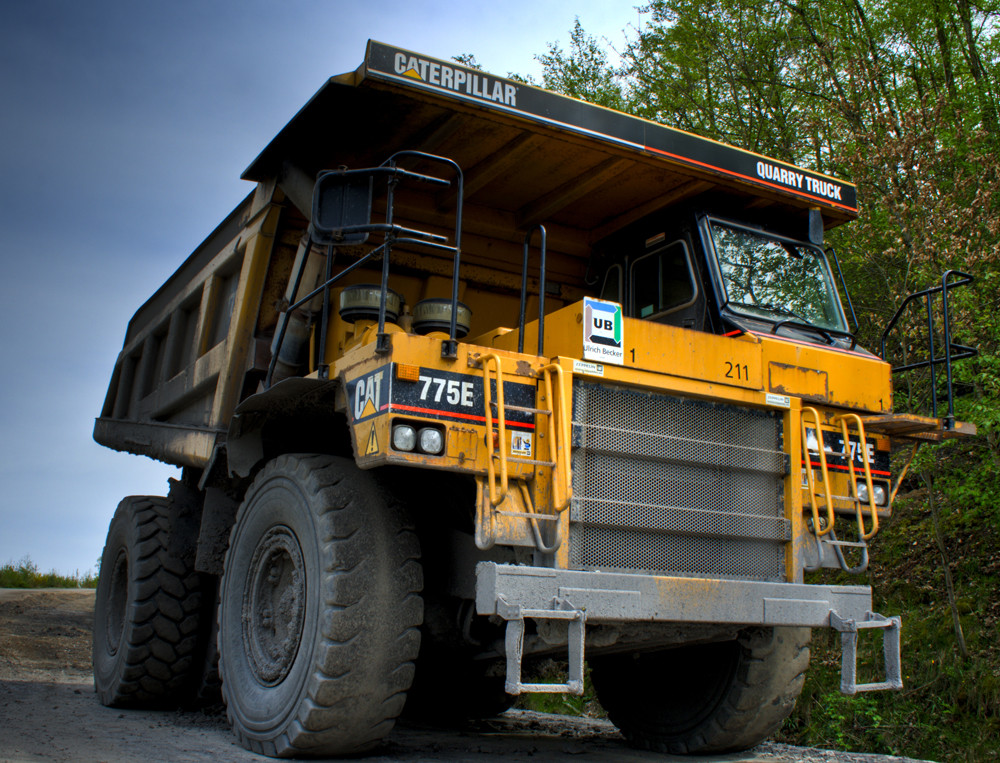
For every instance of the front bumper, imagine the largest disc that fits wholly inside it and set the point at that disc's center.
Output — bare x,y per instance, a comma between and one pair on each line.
613,596
517,593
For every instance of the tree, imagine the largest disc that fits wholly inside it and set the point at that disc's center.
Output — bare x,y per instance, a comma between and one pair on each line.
584,72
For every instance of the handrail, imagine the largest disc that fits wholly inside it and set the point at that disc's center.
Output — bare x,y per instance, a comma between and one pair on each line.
486,526
863,446
536,531
558,440
333,235
559,437
824,473
524,291
952,351
496,497
449,347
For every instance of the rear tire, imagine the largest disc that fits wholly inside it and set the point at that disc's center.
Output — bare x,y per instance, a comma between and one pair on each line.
146,614
705,698
320,610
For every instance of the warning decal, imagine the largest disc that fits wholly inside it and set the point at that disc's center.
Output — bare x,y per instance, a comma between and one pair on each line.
372,447
520,444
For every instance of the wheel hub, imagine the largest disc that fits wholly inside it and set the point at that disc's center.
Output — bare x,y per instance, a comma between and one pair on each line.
274,605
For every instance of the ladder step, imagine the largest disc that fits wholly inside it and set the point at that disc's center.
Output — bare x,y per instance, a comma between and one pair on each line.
523,409
514,648
528,461
848,628
851,544
529,515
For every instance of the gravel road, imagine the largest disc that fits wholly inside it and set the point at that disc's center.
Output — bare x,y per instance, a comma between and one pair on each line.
48,711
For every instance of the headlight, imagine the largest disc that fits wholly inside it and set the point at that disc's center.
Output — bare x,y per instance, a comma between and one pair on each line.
431,440
881,494
404,437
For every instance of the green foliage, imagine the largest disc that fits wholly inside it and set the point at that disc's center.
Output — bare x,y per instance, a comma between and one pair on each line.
553,671
25,574
583,72
468,59
949,708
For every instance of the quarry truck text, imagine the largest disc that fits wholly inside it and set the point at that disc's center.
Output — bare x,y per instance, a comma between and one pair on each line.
480,376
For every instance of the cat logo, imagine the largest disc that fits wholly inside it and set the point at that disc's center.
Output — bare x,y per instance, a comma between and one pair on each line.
372,448
368,396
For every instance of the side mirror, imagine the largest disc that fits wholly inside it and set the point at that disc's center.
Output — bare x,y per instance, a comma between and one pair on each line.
816,227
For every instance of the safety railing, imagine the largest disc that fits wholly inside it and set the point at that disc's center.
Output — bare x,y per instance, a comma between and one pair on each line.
952,279
820,528
341,216
541,290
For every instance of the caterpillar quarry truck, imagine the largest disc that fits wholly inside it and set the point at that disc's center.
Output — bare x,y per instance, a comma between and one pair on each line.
479,376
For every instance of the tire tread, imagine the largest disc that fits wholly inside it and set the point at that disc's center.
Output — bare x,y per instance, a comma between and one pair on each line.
769,677
359,675
166,595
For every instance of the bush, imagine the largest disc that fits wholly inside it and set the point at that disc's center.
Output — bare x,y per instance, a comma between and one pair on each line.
25,574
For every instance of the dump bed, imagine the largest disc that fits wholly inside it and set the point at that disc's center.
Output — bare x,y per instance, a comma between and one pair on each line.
202,342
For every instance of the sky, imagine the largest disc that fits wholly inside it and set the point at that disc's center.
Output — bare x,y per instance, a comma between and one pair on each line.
124,129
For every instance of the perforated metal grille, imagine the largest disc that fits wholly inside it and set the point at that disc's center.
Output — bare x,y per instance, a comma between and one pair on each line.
674,486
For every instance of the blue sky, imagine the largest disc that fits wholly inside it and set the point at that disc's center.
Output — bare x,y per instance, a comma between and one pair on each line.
124,128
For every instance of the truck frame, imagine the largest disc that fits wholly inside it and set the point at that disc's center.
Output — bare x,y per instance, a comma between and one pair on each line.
480,375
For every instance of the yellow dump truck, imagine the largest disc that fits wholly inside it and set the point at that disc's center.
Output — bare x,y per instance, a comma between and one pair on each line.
479,375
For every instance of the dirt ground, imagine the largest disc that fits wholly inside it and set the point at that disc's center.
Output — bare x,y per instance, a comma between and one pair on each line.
48,711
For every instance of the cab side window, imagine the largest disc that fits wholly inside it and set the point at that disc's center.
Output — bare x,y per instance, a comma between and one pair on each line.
663,282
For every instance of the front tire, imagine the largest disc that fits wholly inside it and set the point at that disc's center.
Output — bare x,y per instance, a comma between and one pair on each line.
705,698
320,609
147,610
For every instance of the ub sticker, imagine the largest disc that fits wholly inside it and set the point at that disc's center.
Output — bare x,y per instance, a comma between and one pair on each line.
602,331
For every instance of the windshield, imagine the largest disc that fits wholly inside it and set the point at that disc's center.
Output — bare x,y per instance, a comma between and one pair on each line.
776,279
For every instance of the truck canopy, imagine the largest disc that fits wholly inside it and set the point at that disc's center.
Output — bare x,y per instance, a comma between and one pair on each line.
530,155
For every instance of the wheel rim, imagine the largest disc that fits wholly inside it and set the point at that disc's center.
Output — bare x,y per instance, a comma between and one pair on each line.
114,623
274,606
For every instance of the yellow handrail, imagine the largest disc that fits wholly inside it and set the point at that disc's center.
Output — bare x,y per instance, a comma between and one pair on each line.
559,433
486,525
811,479
496,497
559,437
536,531
863,445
